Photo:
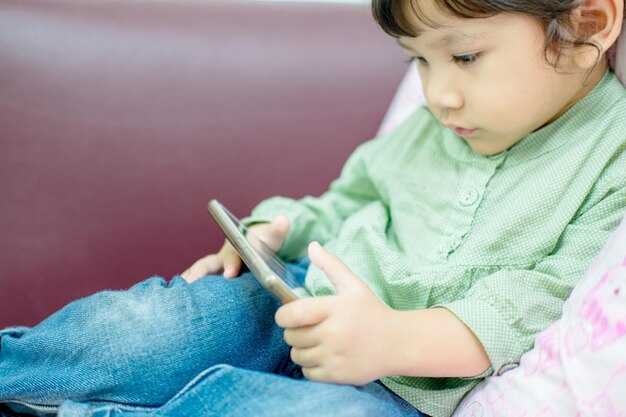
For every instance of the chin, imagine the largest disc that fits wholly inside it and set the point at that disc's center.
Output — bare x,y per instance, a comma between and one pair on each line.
485,150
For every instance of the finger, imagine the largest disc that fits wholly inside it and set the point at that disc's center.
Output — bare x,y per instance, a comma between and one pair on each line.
189,277
280,226
278,229
315,373
338,273
307,358
186,275
211,265
301,338
302,313
207,265
231,263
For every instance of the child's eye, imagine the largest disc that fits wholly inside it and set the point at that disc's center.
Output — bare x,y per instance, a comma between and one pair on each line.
465,59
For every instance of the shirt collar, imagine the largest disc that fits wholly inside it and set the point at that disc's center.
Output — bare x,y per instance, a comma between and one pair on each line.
589,108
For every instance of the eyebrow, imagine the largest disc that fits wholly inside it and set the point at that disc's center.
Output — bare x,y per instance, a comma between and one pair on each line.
449,39
459,37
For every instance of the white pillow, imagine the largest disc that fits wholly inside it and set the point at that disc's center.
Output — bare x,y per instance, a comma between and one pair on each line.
409,94
408,97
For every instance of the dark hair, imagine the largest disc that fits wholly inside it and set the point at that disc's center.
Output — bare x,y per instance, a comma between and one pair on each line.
553,15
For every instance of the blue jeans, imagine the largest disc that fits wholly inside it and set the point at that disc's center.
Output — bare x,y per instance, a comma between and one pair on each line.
210,348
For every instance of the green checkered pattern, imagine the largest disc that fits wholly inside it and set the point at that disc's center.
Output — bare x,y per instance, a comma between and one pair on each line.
500,241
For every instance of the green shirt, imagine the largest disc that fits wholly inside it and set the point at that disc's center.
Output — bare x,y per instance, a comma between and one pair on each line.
498,240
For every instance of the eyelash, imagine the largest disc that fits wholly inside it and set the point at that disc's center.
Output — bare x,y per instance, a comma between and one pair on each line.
462,60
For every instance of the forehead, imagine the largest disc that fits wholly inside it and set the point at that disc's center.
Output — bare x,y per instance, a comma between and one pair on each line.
424,15
427,18
440,27
443,30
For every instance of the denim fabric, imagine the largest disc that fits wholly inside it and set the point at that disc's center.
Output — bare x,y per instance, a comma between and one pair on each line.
134,353
225,391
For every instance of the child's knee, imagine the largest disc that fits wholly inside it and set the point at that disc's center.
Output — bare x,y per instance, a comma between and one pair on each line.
123,322
150,307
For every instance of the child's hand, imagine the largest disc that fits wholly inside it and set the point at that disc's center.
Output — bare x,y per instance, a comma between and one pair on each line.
344,339
227,260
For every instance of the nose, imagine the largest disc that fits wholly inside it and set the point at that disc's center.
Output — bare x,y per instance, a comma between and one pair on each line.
443,92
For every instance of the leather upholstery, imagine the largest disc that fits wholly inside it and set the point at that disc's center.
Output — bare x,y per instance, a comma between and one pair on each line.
119,120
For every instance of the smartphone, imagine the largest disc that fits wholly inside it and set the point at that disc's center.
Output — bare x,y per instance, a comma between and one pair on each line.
265,265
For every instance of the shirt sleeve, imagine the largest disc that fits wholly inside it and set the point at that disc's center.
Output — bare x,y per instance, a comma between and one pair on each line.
507,309
319,218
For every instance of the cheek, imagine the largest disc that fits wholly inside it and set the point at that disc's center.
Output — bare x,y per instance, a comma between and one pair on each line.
498,103
510,102
516,81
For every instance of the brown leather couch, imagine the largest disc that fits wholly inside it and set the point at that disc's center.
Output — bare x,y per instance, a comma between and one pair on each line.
120,119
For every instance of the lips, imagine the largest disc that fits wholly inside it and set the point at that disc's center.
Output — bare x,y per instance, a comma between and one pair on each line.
462,131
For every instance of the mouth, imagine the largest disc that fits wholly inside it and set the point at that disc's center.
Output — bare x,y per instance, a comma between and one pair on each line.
462,131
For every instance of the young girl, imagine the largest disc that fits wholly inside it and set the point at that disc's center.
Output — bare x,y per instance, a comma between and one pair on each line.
447,245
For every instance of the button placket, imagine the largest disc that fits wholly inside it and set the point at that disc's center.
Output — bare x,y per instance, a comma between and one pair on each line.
471,191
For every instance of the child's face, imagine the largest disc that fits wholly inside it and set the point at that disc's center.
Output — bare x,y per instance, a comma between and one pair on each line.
487,78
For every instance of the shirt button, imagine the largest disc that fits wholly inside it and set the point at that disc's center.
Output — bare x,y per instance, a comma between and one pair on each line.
468,197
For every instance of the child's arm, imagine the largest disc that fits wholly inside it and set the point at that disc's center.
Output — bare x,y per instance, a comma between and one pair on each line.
353,338
361,182
319,218
287,225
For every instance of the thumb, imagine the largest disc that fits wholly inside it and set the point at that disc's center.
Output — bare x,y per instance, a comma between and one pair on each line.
280,226
344,280
278,230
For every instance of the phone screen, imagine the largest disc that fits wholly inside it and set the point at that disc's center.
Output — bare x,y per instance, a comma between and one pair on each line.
269,256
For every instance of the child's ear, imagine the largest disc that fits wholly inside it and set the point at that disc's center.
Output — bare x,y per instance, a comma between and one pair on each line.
597,22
